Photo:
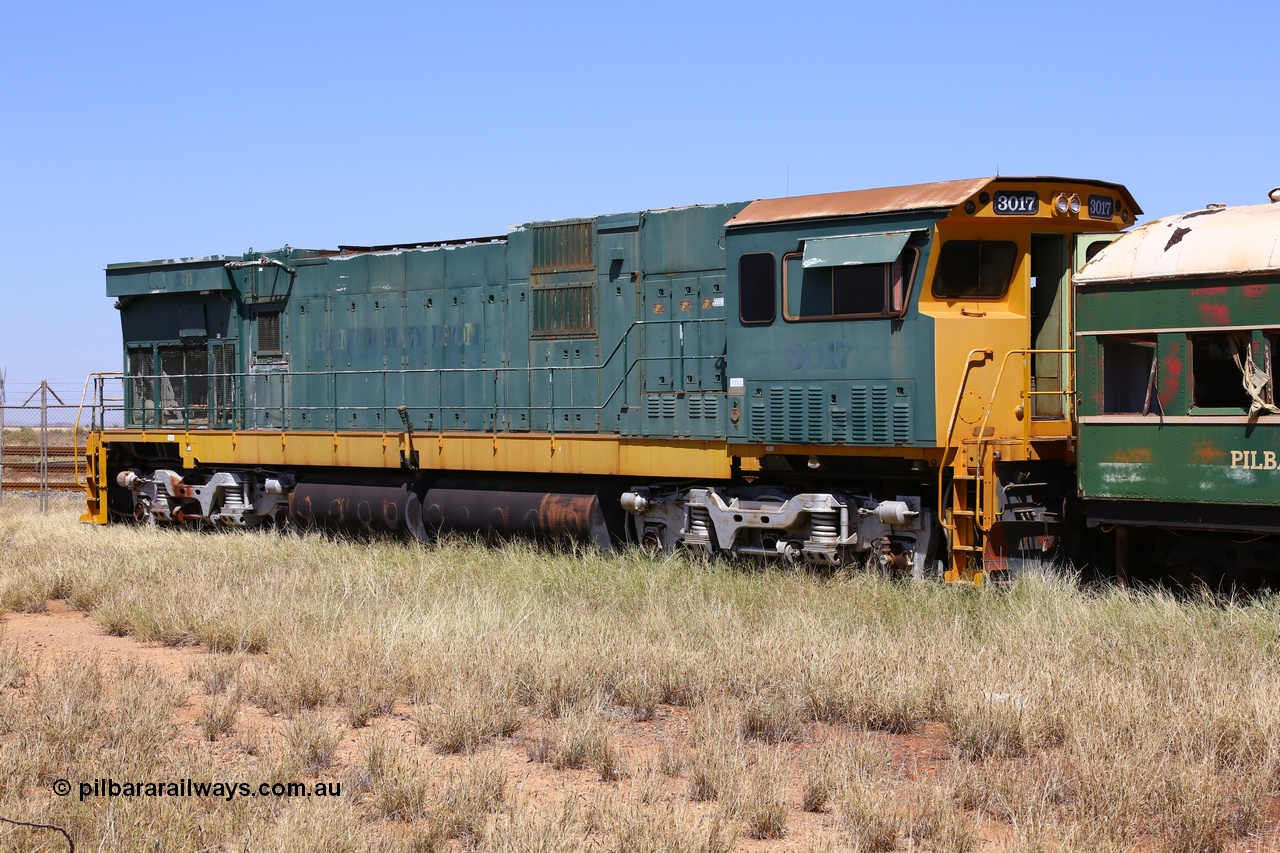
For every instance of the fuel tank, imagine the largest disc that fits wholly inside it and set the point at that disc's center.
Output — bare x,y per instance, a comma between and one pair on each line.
358,505
579,510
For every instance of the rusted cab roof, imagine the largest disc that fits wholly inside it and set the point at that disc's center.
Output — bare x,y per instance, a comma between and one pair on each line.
1213,241
940,195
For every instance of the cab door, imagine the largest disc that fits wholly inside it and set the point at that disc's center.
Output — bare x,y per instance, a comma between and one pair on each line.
1050,324
1088,245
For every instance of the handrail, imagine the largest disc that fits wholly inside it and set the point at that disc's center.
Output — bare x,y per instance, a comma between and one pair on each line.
951,428
978,510
1026,388
155,413
95,378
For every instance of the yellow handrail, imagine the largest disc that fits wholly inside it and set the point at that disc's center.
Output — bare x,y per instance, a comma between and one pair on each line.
75,430
1026,391
949,523
975,355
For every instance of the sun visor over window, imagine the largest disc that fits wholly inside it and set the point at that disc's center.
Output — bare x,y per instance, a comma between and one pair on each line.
854,249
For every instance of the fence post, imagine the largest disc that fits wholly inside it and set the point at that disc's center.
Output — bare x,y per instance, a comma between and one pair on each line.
44,447
1,437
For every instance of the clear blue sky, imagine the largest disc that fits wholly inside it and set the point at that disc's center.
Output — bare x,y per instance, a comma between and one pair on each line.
135,131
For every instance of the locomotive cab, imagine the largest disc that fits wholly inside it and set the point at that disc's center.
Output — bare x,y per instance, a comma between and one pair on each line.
918,340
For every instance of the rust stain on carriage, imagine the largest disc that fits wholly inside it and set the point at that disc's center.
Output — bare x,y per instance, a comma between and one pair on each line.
1205,452
570,513
1207,292
1254,291
1139,455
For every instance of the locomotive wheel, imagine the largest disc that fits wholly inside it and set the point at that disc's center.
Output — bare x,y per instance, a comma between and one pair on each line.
142,512
651,542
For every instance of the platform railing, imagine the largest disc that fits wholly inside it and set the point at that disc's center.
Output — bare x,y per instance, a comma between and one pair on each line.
163,401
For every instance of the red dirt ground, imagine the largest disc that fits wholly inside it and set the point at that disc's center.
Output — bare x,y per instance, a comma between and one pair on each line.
61,632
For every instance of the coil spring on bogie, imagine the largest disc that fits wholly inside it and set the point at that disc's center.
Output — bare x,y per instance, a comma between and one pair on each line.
700,523
825,527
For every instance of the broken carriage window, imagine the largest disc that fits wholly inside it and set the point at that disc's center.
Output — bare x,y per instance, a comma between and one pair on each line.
1128,379
1215,375
1273,362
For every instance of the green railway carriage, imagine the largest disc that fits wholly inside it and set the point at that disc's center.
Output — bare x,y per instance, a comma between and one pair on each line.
1177,326
847,375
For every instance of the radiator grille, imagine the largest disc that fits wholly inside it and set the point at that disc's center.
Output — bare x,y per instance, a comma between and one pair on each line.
660,405
759,421
839,425
817,425
142,382
816,414
563,310
777,414
902,420
562,248
177,383
268,332
859,422
223,364
879,414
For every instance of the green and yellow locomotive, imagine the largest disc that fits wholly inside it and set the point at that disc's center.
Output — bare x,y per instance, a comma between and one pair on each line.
883,374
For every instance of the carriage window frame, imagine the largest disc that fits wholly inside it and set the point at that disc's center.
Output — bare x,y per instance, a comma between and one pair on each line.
1271,353
1125,372
758,289
909,269
1215,380
974,292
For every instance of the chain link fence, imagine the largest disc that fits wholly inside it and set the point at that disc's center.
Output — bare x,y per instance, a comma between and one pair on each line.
41,449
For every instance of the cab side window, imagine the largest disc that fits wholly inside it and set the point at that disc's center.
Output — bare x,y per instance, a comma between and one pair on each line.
847,291
975,269
757,289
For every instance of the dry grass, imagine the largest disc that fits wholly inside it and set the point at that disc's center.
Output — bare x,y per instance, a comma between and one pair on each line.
1077,719
218,714
575,740
470,795
309,744
465,719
